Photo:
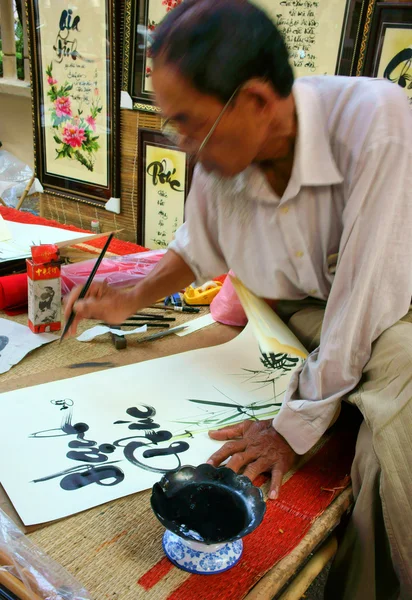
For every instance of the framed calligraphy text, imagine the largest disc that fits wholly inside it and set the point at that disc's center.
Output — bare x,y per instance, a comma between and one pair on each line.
164,181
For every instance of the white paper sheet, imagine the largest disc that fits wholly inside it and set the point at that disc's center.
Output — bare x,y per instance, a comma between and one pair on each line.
18,340
196,324
25,235
93,332
5,233
88,430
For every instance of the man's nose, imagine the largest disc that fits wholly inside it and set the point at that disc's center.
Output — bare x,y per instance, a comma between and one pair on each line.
187,144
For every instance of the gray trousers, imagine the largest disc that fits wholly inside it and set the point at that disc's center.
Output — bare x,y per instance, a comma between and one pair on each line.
374,559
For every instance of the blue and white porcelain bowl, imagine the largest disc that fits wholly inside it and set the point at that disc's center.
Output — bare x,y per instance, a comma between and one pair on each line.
206,511
200,558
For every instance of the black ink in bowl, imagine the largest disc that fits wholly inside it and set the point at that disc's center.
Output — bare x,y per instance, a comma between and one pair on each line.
207,504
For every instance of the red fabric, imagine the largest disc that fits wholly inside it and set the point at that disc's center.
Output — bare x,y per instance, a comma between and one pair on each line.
119,247
13,292
303,498
154,575
13,288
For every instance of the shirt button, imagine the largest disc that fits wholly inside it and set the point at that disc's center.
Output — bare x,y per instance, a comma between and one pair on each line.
313,292
285,210
299,254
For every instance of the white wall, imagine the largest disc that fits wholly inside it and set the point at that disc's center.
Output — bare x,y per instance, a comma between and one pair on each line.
16,126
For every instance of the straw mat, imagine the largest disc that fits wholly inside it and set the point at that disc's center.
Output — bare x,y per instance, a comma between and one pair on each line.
115,550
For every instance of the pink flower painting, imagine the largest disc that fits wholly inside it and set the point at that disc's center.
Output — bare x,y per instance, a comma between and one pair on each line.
62,106
73,136
171,4
91,122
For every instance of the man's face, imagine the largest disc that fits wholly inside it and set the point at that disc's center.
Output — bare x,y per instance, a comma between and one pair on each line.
238,140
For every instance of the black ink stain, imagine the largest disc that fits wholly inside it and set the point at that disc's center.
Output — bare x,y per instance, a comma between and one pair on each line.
4,340
86,365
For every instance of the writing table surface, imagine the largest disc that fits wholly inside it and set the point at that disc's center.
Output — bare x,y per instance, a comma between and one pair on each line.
115,549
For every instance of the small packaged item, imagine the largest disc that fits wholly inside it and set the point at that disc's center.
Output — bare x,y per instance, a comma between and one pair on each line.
44,289
202,295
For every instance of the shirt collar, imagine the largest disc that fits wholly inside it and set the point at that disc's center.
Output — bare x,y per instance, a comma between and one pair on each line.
314,164
313,154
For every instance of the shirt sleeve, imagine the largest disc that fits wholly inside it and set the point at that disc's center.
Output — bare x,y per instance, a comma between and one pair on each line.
371,291
196,241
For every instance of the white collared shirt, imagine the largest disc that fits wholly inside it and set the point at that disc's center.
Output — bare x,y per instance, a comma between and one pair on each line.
350,193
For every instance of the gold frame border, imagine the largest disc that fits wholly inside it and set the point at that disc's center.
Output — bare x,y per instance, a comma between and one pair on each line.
116,176
126,44
365,37
128,63
150,108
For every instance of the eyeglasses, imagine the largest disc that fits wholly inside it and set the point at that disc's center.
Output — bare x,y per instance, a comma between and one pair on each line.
171,131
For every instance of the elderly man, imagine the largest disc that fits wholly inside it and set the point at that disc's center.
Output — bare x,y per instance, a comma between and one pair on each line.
294,179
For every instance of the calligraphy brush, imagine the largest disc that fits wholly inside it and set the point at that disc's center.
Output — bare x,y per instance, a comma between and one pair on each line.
185,309
6,595
156,336
86,286
164,325
150,316
162,319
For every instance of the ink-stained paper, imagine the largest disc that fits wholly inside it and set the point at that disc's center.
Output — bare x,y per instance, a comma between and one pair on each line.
77,443
16,341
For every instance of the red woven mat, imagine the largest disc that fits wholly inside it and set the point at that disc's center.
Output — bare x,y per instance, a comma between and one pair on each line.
116,246
304,497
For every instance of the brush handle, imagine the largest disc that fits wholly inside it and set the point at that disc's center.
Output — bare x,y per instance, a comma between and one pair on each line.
158,325
86,286
162,319
156,336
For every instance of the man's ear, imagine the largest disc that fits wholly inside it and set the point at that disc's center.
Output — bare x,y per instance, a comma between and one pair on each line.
260,93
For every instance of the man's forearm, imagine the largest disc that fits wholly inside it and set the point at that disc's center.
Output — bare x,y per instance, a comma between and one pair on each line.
170,275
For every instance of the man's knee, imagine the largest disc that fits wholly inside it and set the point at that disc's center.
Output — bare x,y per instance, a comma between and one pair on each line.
365,466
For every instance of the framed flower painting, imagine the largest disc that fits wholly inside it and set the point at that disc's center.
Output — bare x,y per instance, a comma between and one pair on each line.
164,181
75,93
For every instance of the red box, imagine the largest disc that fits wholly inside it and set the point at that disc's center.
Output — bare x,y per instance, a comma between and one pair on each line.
44,284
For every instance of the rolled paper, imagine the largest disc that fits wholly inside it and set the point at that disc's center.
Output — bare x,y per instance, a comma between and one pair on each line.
13,292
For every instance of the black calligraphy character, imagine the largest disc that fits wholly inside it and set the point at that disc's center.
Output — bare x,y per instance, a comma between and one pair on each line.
63,403
78,477
66,21
159,173
147,440
279,361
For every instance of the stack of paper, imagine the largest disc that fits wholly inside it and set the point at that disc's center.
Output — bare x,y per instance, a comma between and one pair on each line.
17,238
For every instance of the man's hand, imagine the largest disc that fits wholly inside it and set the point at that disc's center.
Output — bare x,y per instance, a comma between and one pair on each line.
102,302
257,446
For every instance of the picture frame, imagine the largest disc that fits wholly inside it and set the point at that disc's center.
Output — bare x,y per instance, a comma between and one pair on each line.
354,36
329,37
75,98
140,18
164,175
389,50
